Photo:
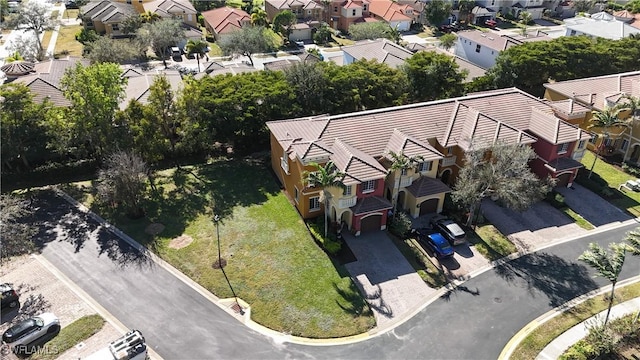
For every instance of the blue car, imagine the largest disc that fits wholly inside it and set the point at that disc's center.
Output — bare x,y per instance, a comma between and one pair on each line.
437,243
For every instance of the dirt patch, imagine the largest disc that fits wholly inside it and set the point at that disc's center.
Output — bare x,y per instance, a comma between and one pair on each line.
180,242
154,229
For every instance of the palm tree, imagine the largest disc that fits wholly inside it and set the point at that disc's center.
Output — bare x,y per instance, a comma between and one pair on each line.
632,104
402,162
326,177
525,19
197,47
633,239
605,119
259,17
464,8
149,17
606,264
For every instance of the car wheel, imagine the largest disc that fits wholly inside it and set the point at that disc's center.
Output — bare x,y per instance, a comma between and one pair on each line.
53,329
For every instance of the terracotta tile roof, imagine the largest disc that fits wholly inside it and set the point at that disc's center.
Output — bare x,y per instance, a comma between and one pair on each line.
563,163
389,10
226,19
371,204
424,186
547,126
352,4
107,11
168,8
288,4
358,166
405,144
569,106
593,91
382,50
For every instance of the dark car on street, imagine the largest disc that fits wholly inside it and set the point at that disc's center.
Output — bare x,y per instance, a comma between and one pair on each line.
435,242
450,229
9,298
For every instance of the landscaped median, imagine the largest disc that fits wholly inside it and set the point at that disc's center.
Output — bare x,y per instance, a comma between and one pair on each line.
272,262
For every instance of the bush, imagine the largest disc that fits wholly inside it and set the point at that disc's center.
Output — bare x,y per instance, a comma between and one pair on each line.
85,36
630,169
579,351
401,225
330,243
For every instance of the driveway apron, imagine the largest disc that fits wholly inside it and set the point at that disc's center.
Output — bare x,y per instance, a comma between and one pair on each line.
592,207
389,284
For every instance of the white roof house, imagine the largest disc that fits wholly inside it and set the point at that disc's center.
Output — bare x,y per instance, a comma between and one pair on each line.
599,25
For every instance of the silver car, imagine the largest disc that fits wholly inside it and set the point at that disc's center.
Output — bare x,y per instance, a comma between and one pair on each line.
31,329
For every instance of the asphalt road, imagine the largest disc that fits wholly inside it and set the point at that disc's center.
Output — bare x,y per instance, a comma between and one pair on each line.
473,322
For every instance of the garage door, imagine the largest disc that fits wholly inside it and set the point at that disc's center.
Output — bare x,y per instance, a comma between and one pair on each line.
563,180
370,223
429,206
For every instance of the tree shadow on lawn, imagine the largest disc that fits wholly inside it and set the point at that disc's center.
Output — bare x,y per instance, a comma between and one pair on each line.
559,280
354,303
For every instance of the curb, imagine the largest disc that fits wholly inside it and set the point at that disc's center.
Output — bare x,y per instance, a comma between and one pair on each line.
112,320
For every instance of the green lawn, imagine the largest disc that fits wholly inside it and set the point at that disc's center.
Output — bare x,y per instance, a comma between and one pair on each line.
416,257
579,220
66,44
531,346
272,261
605,181
491,243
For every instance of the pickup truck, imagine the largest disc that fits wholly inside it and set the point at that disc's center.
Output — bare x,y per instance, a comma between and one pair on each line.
130,346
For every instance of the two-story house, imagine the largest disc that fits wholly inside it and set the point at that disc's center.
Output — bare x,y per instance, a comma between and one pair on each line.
515,7
599,25
381,50
398,16
597,94
439,131
225,20
483,48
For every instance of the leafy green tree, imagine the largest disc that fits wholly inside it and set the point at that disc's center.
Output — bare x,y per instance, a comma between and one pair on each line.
371,30
363,85
323,35
197,48
95,92
633,240
109,50
162,35
401,162
433,76
465,7
22,126
34,16
605,120
195,106
325,177
131,24
86,36
308,82
437,11
163,113
633,6
500,171
17,235
259,17
282,23
447,41
149,17
582,6
4,10
247,41
608,264
631,104
122,181
525,18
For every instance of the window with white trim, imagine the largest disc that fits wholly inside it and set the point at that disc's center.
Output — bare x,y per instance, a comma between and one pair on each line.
284,162
625,144
314,203
563,148
425,166
368,186
296,194
581,144
347,190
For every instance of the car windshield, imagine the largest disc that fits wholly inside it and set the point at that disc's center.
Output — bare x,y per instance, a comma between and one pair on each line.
23,326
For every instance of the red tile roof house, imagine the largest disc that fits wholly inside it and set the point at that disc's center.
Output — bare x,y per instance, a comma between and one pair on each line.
597,93
440,131
225,20
398,16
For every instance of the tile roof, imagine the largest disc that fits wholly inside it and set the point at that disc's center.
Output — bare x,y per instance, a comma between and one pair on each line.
425,186
546,125
563,163
371,204
107,11
288,4
279,65
168,8
382,50
388,10
358,166
45,83
502,114
226,19
569,106
499,43
405,144
593,91
138,86
473,70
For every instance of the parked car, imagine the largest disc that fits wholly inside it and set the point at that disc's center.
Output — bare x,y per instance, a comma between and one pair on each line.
9,298
31,329
71,5
436,242
450,229
491,23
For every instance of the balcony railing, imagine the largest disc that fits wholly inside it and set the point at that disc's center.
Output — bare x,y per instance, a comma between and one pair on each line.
448,161
347,202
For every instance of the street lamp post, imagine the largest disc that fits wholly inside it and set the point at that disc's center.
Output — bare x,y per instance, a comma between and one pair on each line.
219,264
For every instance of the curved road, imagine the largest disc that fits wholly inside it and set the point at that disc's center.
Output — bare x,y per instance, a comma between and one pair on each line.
473,322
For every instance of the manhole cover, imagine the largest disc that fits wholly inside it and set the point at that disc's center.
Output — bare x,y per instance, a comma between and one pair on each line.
497,300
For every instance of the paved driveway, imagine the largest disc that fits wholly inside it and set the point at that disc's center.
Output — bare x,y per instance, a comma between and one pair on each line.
592,207
389,284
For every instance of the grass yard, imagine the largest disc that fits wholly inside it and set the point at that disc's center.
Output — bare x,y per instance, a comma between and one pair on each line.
71,335
272,261
70,13
341,41
414,254
604,173
531,346
491,243
427,32
67,43
579,220
46,38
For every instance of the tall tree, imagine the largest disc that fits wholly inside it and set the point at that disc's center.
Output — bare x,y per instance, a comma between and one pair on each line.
500,171
122,180
22,126
197,48
607,264
465,7
162,35
282,23
371,30
259,17
433,76
632,238
246,42
163,113
631,104
108,50
35,16
325,177
95,92
525,20
605,120
131,24
437,11
323,35
309,83
17,235
447,41
401,162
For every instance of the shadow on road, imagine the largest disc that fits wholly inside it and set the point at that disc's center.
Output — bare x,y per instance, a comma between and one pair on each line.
550,275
